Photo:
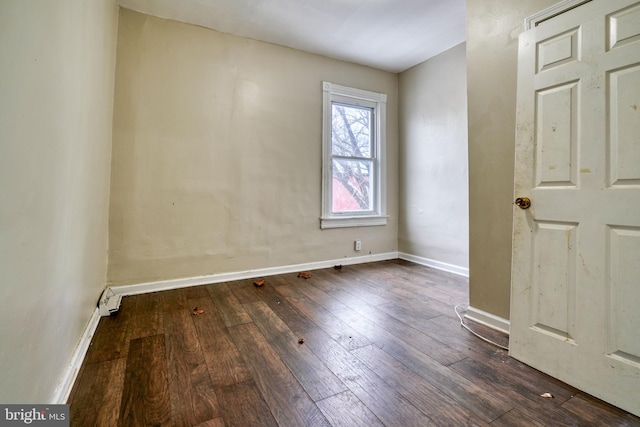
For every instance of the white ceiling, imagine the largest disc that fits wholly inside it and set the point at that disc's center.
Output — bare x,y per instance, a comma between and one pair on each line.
391,35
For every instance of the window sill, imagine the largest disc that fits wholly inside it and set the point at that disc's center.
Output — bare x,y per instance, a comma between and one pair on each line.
352,221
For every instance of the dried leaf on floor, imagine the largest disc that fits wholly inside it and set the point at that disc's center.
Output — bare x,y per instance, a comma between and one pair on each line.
197,311
259,283
304,275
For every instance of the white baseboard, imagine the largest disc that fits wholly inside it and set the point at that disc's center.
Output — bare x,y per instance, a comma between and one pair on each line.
456,269
165,285
62,392
488,319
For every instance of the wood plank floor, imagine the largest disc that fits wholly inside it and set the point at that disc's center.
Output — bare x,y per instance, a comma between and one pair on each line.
382,347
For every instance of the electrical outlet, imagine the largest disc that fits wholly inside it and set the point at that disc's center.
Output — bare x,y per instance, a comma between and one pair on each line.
357,245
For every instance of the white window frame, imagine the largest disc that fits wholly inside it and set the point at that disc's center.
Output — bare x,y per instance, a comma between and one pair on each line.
357,97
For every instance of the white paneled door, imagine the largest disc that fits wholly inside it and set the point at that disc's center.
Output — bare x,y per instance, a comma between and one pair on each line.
575,297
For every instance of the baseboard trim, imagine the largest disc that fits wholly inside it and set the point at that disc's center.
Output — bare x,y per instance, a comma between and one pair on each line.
488,319
456,269
62,392
165,285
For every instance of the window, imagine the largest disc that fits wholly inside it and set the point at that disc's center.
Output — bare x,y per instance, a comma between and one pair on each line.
353,170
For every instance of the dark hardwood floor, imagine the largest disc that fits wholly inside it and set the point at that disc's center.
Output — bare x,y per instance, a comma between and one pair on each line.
382,347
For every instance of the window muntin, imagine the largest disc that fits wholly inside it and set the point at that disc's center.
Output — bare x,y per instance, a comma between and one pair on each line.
353,168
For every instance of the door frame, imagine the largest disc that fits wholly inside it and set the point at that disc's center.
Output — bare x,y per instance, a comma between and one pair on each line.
548,13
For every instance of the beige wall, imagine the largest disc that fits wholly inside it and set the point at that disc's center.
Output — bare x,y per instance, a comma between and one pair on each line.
493,27
57,61
434,216
217,154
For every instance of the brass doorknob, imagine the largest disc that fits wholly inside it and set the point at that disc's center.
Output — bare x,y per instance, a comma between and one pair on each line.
523,202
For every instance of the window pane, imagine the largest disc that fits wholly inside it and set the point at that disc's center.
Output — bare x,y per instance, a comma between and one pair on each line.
352,190
351,130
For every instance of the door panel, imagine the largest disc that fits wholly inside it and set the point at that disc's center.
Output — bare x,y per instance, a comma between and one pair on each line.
556,154
623,26
576,249
558,50
624,90
624,294
554,279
